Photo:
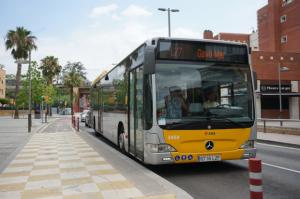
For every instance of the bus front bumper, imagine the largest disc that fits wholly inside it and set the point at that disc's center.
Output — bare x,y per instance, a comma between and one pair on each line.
249,153
177,157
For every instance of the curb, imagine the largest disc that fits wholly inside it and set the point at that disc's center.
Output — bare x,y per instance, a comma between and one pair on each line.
278,143
44,126
134,166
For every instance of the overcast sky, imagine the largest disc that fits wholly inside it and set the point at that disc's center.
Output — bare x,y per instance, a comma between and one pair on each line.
100,32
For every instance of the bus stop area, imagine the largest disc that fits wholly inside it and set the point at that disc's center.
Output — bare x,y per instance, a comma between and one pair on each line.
55,161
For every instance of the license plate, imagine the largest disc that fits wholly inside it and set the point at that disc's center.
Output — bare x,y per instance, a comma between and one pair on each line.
209,158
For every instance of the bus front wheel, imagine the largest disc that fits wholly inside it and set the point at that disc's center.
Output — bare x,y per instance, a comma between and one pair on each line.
121,140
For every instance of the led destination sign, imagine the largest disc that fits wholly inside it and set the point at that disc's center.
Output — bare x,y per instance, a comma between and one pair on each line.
202,51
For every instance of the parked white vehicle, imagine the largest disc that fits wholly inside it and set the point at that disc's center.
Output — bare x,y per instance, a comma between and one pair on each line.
83,115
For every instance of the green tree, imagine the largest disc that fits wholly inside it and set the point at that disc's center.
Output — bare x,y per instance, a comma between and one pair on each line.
74,75
38,87
20,41
61,98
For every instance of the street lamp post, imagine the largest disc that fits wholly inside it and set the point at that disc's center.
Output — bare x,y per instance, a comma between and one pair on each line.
280,69
22,61
30,93
169,20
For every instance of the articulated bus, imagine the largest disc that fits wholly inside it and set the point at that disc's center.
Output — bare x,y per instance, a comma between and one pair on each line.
179,101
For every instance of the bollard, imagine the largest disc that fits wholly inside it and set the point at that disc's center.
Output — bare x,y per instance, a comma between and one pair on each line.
78,124
74,122
255,179
264,126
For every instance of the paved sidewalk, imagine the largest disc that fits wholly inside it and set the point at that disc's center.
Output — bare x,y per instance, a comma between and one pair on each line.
276,138
60,164
13,136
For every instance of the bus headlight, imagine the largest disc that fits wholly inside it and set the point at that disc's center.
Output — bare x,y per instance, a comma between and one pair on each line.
160,148
248,144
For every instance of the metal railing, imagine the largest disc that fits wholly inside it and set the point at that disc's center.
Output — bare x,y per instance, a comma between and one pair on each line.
289,123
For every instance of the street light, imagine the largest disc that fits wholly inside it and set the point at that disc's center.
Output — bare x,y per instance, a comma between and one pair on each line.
30,93
280,69
23,61
169,23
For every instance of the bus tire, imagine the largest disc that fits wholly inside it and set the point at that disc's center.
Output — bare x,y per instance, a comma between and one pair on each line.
121,140
94,126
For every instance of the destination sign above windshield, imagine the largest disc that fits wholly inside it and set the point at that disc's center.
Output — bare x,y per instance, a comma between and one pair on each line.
202,51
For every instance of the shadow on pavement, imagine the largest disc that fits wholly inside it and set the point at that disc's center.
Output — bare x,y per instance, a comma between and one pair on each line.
196,168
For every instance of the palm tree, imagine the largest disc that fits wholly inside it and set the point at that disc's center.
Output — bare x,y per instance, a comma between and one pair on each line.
50,68
73,76
20,41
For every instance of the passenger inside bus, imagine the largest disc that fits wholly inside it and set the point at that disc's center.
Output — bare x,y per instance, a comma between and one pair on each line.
175,103
211,99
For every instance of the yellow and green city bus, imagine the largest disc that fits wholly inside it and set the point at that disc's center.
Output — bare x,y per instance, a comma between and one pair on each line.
179,101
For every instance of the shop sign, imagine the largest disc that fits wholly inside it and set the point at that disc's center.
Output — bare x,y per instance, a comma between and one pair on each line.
275,88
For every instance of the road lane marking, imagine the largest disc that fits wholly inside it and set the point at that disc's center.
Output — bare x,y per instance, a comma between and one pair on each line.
284,147
279,167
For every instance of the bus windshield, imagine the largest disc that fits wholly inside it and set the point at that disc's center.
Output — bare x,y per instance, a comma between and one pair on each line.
195,96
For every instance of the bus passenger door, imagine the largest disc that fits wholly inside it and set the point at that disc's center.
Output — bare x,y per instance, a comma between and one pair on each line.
136,137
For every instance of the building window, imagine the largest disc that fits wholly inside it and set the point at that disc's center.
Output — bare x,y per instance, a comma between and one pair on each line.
283,19
283,39
272,102
286,2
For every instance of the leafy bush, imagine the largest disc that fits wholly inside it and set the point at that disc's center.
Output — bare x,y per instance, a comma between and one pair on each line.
4,101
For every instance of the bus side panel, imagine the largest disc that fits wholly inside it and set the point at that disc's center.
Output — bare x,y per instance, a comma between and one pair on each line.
95,116
110,125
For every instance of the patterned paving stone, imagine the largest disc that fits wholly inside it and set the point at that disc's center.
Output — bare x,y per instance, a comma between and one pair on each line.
62,165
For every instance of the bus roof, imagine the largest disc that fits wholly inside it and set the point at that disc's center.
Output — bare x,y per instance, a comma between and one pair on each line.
196,40
156,39
102,74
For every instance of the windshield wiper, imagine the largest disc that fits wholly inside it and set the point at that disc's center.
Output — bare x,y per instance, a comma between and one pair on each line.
214,116
182,123
172,123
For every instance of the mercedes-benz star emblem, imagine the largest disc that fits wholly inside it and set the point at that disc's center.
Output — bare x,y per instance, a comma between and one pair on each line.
209,145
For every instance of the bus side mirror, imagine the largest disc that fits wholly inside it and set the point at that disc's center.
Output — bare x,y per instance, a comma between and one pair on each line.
106,77
149,60
254,75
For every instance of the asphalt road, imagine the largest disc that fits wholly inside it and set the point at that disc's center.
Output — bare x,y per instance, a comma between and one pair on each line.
229,179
